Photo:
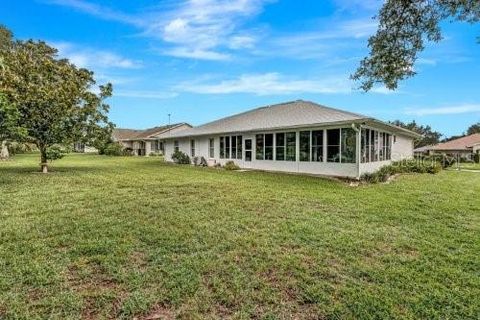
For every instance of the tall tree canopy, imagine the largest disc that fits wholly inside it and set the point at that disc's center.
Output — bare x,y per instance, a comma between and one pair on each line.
474,128
404,26
54,98
429,136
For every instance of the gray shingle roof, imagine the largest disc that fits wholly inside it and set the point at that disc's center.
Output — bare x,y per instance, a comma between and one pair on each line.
289,114
133,134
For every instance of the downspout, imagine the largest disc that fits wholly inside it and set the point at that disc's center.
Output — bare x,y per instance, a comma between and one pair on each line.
358,130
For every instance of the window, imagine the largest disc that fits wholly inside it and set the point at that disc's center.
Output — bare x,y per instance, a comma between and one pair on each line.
268,146
227,147
333,145
304,145
211,148
239,147
291,146
280,146
349,145
317,146
376,146
248,149
192,148
176,147
161,146
259,145
234,147
222,147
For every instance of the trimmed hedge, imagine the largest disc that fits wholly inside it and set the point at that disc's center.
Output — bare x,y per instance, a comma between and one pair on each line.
230,165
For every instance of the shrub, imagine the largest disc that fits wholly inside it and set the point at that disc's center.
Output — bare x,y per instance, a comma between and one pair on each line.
230,165
200,161
410,166
54,153
476,157
113,149
180,157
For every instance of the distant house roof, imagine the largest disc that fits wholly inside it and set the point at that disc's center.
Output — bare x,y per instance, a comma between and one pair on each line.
284,115
464,143
423,149
133,134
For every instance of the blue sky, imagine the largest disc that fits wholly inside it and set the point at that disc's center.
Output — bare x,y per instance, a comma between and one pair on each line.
200,60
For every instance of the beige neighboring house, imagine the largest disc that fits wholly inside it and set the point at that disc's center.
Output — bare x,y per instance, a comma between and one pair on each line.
298,136
148,141
464,147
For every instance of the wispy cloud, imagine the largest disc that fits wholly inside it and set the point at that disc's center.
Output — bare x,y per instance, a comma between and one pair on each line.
271,84
93,58
448,110
103,12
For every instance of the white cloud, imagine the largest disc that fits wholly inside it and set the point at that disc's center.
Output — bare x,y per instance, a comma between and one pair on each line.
92,58
459,109
271,84
200,54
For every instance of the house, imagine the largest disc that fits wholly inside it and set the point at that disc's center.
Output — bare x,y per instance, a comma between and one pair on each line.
297,136
422,151
145,142
464,147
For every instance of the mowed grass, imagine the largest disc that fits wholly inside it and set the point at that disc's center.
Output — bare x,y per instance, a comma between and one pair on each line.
132,237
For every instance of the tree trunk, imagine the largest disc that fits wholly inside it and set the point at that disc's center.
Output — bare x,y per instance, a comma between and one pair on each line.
43,159
4,155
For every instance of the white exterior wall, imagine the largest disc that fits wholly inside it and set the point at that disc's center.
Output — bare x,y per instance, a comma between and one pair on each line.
402,148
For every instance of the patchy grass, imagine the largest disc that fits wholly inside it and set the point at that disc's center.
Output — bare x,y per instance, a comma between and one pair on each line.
132,237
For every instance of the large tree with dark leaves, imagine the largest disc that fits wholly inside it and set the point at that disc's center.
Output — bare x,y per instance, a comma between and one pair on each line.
55,99
404,27
474,128
429,136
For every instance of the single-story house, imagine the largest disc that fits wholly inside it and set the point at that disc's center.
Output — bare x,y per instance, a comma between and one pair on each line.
148,141
464,147
298,136
422,151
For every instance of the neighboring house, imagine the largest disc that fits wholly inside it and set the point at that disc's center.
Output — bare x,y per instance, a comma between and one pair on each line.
145,142
298,136
83,148
464,147
425,150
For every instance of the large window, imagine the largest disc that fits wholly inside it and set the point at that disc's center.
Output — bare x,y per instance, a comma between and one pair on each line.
349,145
291,140
317,146
259,146
269,146
264,146
227,147
375,146
176,147
230,147
333,145
305,145
222,147
211,148
280,146
239,147
192,148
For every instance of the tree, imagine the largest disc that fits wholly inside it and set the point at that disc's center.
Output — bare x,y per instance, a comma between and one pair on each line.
9,128
55,99
429,137
474,128
404,25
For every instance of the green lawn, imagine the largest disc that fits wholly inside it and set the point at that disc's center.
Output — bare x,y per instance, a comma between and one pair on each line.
470,166
133,237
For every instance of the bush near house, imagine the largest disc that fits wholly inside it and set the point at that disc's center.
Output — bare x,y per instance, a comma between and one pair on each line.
180,157
113,149
476,157
411,166
230,165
